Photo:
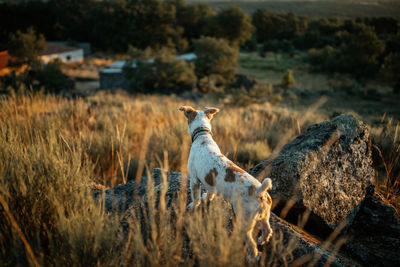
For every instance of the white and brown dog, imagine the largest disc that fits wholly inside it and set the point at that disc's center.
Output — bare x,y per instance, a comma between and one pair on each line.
220,175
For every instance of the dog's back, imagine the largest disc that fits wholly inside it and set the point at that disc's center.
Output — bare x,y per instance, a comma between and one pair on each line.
217,172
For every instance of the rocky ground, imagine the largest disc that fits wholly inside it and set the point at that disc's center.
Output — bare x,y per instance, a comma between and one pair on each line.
326,175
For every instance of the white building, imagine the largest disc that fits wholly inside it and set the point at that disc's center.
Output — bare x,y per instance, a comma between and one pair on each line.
61,52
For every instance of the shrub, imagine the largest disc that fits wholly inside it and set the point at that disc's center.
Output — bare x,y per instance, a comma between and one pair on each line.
165,74
259,93
52,79
288,80
276,45
216,61
234,25
27,46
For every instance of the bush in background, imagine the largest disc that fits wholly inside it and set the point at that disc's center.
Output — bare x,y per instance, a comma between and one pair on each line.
216,62
234,25
26,47
288,80
164,74
259,93
53,79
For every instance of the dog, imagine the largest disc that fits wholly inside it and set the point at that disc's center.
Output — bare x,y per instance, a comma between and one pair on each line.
217,174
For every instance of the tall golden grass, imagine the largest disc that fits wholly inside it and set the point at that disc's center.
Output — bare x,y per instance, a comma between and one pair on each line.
54,150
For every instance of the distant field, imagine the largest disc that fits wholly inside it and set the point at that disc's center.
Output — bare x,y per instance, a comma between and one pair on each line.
271,69
349,9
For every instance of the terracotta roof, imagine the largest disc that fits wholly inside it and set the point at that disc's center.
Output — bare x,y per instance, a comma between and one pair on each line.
4,58
52,48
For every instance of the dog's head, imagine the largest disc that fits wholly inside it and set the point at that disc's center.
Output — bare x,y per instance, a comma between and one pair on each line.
198,118
257,209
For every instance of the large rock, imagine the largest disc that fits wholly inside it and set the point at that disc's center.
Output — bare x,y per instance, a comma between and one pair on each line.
308,250
305,247
375,233
325,169
123,196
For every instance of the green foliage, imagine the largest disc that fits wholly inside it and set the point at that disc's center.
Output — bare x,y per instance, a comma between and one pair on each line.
288,80
363,49
392,65
195,19
392,69
52,79
136,53
358,54
383,25
234,25
325,26
27,46
163,74
154,25
269,25
150,23
276,45
315,39
325,59
216,60
259,93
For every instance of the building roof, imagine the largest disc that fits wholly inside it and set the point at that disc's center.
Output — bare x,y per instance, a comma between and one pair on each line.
117,65
111,71
187,57
120,64
52,48
4,58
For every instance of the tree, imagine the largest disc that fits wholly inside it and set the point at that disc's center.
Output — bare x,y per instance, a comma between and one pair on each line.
234,25
52,79
216,60
195,19
153,23
164,74
27,46
392,70
363,49
288,80
72,18
269,26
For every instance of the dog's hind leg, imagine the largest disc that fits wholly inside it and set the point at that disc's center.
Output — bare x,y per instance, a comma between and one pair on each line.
254,254
194,192
208,196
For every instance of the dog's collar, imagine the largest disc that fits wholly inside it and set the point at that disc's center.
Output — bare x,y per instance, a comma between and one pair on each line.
198,131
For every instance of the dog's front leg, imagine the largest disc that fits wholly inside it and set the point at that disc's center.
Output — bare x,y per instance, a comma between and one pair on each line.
194,192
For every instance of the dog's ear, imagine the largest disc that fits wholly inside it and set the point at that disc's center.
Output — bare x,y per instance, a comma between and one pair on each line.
188,111
265,186
210,112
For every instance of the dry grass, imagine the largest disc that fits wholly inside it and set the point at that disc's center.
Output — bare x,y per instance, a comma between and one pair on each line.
387,161
111,129
52,149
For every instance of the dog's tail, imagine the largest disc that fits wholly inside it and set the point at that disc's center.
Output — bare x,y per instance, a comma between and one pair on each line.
265,186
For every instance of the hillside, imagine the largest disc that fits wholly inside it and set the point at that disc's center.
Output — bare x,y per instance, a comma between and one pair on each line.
342,9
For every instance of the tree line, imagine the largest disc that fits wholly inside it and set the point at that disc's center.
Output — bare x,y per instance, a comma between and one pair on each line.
114,25
362,47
